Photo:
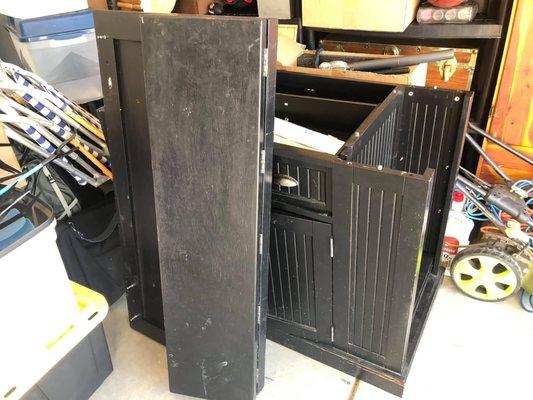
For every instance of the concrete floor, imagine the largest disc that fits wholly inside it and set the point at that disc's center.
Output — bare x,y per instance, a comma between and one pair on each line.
469,350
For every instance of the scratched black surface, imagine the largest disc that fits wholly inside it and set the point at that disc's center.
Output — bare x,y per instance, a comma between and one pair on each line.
204,102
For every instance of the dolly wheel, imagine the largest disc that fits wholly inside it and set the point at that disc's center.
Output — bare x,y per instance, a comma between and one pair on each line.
487,274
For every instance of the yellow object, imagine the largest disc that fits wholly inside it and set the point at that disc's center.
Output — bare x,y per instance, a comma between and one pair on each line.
527,283
19,375
90,127
92,158
497,285
288,30
365,15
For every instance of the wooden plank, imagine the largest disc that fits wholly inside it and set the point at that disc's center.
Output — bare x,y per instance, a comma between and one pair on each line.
7,155
515,168
206,132
512,115
512,119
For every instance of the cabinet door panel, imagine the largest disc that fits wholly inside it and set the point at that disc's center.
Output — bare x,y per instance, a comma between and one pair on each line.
379,222
299,299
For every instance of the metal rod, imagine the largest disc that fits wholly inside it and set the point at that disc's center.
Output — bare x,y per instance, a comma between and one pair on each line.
403,61
511,150
480,207
42,152
475,178
489,161
471,185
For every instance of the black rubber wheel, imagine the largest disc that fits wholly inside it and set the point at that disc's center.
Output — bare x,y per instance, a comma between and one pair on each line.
486,273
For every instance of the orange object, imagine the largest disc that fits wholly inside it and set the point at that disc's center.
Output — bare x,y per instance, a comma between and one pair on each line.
511,117
129,6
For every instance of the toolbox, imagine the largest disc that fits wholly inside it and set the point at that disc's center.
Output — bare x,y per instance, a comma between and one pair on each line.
355,237
415,75
455,74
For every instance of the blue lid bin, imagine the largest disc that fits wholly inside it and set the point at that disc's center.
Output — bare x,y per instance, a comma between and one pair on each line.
61,49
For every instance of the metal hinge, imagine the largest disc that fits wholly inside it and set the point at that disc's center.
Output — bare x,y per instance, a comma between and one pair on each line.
332,333
331,246
260,243
259,314
262,162
265,63
492,111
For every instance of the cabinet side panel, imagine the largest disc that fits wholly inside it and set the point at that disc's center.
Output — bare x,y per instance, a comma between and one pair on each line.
204,93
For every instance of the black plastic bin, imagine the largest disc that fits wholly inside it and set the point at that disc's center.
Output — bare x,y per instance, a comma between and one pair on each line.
79,373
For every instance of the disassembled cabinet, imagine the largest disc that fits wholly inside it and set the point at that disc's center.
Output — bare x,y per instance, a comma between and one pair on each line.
355,237
205,133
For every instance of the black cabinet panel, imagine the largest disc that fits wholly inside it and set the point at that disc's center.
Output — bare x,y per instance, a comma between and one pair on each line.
388,214
209,235
300,276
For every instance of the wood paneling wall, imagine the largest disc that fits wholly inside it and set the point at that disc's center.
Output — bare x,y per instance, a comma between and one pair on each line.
512,113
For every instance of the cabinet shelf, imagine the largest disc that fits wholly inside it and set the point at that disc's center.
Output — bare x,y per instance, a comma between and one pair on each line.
478,29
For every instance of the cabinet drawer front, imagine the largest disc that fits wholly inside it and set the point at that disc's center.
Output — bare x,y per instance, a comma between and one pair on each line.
301,184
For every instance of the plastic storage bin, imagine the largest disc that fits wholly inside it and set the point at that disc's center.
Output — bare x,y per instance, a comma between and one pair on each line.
72,367
39,8
36,299
62,50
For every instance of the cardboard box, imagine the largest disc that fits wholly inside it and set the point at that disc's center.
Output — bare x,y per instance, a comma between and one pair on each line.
281,9
364,15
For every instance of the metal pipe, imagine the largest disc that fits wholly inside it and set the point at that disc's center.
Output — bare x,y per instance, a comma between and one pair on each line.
403,61
511,150
40,97
475,178
96,151
489,161
472,185
43,153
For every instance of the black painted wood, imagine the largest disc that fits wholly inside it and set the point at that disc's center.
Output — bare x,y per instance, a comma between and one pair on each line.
332,117
300,273
207,130
385,263
328,204
120,57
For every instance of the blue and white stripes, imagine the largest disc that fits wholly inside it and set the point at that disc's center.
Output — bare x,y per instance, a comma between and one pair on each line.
31,109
